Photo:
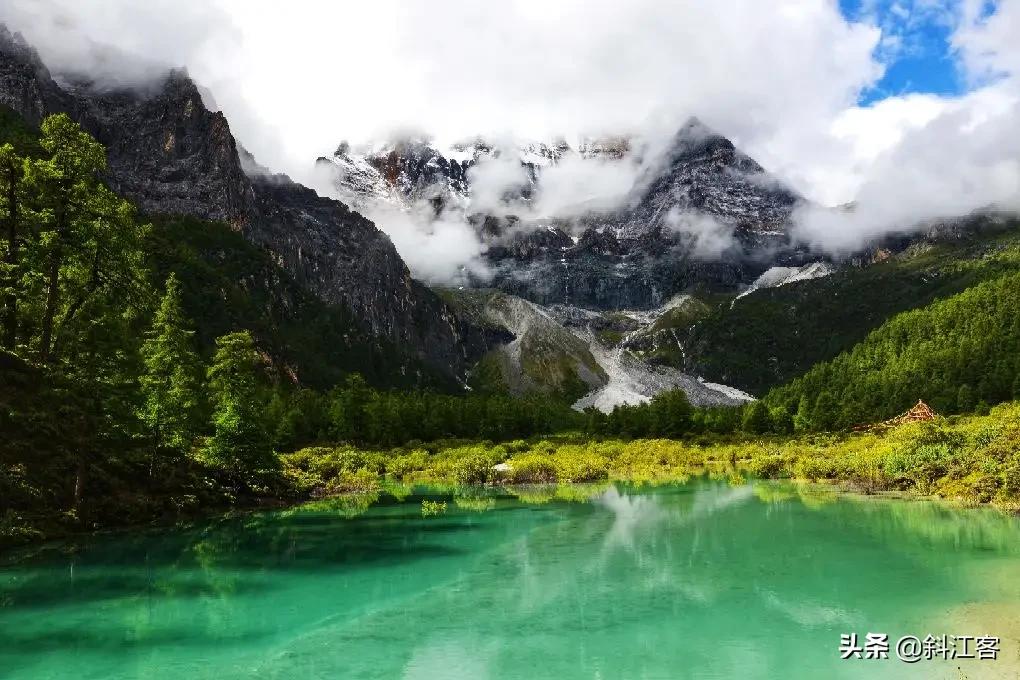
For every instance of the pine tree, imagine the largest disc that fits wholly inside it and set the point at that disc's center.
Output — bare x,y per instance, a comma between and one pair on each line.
72,205
347,408
12,171
671,414
780,420
239,442
823,416
171,381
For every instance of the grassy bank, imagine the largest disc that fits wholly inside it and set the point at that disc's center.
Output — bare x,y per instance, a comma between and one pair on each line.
971,460
974,460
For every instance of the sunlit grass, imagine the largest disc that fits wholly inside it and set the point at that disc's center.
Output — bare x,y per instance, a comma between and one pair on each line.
972,461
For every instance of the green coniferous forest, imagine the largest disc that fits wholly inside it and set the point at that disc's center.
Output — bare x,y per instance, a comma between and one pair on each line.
957,354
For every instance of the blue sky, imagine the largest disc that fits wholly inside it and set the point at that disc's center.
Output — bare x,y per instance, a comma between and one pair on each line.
916,46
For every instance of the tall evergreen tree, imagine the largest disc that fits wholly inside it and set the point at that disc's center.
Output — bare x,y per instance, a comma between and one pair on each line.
171,382
71,205
348,410
802,419
823,415
780,420
12,172
671,414
239,442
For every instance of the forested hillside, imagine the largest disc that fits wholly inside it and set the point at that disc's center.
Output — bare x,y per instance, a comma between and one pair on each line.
775,335
958,354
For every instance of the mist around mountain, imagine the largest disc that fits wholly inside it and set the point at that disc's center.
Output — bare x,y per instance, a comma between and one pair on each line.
556,223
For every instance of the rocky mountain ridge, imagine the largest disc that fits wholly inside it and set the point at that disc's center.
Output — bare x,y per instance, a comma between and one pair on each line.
700,215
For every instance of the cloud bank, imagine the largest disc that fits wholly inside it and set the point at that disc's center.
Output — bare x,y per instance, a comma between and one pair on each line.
947,157
781,79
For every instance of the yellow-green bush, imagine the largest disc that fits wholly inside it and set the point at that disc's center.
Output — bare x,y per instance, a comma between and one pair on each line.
769,464
532,468
401,466
360,481
973,459
475,468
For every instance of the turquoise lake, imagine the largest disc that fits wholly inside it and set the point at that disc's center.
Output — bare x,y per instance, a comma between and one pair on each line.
702,580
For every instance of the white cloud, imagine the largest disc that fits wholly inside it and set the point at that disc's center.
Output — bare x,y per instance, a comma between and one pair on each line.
779,78
494,180
296,79
576,185
440,250
990,43
706,237
926,158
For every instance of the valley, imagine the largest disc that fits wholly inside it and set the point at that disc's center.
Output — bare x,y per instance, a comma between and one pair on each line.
668,294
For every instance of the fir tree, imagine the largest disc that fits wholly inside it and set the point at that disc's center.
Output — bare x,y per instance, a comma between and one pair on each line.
171,380
671,414
823,416
781,421
71,204
239,442
12,171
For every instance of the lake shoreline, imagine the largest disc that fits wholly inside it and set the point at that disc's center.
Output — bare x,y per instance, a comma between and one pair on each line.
970,462
11,555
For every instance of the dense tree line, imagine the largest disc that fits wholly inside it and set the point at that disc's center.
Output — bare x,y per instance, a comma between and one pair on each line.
356,413
669,415
959,355
802,324
103,385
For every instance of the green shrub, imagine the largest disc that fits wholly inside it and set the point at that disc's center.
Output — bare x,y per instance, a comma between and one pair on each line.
360,481
769,466
921,465
474,469
401,466
578,465
1009,478
814,468
302,481
532,468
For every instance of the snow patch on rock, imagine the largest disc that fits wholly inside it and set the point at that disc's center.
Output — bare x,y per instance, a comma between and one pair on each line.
731,392
781,276
632,381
